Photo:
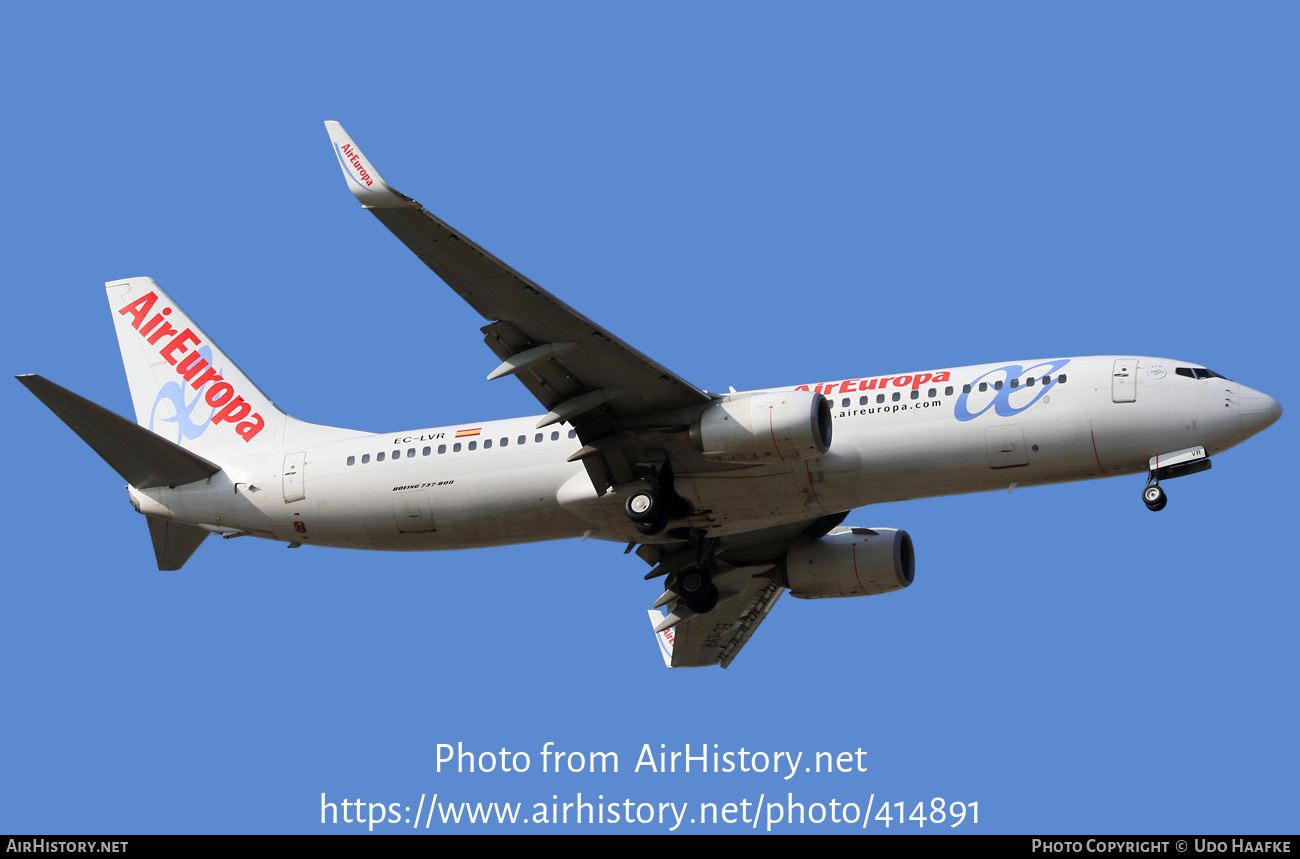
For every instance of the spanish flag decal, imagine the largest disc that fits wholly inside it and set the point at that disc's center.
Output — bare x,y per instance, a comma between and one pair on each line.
466,433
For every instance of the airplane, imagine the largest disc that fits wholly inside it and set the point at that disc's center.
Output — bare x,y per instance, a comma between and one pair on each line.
732,499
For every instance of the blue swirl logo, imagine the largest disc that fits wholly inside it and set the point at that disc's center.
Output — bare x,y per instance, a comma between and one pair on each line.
1001,400
183,411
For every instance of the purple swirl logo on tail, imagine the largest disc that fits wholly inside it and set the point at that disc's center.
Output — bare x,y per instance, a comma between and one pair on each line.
183,411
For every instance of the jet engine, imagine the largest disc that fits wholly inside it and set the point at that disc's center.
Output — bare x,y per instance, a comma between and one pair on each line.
764,427
851,562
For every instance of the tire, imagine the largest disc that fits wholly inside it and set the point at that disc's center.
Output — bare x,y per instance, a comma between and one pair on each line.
693,583
706,602
642,507
1154,495
650,529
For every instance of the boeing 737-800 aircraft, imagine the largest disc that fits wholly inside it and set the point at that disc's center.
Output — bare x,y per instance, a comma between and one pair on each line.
733,499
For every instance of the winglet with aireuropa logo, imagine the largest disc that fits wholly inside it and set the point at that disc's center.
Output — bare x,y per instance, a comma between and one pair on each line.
364,180
665,638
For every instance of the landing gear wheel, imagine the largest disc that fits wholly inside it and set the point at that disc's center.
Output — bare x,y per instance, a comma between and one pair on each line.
706,603
697,590
642,506
1154,497
649,529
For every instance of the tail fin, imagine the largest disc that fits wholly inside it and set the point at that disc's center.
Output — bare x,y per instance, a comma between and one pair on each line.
182,385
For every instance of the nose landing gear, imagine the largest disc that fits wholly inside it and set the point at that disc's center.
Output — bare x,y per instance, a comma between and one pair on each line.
1167,466
1154,497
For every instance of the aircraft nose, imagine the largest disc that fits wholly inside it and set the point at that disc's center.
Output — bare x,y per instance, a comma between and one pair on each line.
1258,411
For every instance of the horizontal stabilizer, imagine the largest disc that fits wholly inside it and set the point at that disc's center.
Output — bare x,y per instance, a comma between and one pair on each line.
174,542
143,458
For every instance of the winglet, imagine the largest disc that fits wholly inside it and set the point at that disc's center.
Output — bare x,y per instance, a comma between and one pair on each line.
364,180
665,638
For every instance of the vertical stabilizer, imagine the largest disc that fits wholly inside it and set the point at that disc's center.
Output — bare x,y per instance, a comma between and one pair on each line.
183,386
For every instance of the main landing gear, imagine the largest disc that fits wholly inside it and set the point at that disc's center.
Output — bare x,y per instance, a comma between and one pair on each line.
696,588
647,511
653,502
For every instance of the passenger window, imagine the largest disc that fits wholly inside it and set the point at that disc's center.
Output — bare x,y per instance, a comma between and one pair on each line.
411,452
997,386
555,436
1029,383
504,442
487,443
897,396
397,454
1060,380
573,433
947,392
427,451
862,401
915,394
1015,383
844,403
365,457
455,448
880,398
537,437
965,389
352,460
984,386
379,457
473,445
931,392
442,448
521,439
1047,380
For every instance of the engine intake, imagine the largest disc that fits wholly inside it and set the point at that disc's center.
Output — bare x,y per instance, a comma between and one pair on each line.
851,562
764,427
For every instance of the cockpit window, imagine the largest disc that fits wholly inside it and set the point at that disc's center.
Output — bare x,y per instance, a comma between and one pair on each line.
1198,373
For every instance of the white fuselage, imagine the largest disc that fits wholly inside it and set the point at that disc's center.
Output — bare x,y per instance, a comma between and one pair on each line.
895,438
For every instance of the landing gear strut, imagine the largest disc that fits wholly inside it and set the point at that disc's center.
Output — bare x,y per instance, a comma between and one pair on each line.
1153,496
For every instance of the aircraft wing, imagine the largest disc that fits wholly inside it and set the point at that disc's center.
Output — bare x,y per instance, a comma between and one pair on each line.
581,373
747,590
689,640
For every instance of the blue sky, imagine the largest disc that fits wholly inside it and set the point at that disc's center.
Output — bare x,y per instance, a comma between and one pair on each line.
755,197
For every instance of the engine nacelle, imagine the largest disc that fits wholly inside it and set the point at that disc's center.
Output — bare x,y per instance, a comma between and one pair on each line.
764,427
851,562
